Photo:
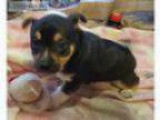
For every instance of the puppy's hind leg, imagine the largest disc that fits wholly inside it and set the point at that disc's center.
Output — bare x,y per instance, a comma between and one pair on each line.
128,85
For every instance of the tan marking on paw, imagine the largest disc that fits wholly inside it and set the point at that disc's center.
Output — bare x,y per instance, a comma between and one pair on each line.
127,93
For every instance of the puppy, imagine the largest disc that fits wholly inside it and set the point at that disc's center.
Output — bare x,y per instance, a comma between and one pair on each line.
59,45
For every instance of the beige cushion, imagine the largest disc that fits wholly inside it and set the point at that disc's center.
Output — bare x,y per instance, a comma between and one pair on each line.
93,10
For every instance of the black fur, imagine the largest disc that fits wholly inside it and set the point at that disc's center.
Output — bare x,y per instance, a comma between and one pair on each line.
98,59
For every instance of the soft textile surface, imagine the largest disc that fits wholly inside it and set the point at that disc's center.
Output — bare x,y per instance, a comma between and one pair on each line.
107,104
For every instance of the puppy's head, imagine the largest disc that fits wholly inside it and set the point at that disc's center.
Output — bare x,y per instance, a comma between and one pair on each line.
53,40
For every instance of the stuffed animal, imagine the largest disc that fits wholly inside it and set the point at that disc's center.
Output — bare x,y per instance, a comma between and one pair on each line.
31,95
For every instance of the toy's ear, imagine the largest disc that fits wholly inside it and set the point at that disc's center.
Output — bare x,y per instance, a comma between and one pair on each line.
75,18
27,22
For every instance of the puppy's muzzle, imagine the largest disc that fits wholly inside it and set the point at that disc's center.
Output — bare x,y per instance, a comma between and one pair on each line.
47,65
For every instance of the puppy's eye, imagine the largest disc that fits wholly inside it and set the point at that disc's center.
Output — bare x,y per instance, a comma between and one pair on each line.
38,35
63,48
37,47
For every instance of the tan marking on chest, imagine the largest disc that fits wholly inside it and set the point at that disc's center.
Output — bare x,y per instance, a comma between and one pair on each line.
63,60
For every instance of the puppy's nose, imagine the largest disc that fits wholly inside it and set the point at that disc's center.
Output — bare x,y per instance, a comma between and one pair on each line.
44,64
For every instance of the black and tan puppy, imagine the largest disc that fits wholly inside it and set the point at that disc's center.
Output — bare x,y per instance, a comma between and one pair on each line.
59,45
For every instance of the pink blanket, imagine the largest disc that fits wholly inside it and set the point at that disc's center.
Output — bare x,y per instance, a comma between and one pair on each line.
105,106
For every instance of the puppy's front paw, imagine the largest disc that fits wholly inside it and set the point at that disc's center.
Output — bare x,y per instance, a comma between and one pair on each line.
127,93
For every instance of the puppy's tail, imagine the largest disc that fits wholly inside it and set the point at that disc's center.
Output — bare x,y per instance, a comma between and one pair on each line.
27,22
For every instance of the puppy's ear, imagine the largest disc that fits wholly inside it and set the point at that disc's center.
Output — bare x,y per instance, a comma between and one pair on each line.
27,22
76,17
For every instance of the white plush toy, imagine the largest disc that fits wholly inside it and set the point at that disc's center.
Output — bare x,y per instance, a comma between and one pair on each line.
32,96
29,93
